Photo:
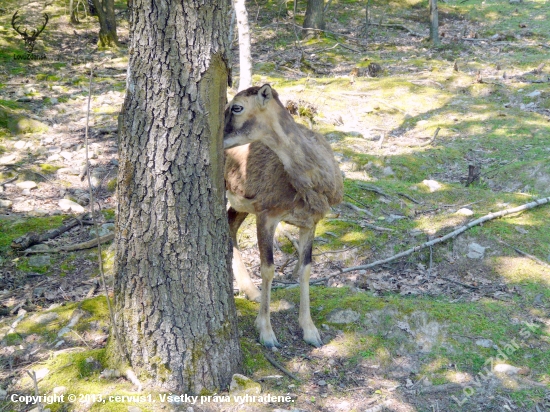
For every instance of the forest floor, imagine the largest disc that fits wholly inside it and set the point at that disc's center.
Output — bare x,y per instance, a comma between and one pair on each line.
460,326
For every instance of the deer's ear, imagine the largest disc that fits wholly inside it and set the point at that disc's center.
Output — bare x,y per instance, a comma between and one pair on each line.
265,94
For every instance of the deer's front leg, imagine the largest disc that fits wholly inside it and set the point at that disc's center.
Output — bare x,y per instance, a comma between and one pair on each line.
265,226
242,276
311,334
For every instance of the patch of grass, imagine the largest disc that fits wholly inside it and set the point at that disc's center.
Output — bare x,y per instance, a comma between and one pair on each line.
67,265
108,214
12,229
12,339
10,104
23,265
48,77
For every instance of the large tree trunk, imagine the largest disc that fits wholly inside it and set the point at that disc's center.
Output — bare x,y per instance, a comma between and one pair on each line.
245,57
105,10
174,305
315,15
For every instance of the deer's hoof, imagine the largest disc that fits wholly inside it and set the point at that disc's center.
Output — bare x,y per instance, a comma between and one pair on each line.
269,341
313,338
255,297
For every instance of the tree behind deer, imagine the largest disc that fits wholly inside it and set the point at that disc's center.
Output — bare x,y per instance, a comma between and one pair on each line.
173,286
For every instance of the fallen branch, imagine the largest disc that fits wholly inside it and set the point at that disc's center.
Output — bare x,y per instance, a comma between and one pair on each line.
272,360
361,203
464,285
527,255
356,208
377,228
11,179
410,198
312,29
347,47
372,188
454,233
432,139
32,238
79,246
398,26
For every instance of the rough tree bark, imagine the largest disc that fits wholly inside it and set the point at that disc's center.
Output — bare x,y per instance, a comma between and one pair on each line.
174,304
315,15
245,57
105,10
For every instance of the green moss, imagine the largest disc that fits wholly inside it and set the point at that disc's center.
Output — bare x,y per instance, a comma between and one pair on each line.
12,339
12,229
112,185
47,168
18,125
24,265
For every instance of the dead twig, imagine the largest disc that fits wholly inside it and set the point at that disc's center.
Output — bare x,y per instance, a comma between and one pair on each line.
79,246
11,179
527,255
46,178
357,209
81,338
460,284
336,251
432,139
377,228
272,360
99,240
347,47
311,29
36,392
410,198
372,188
454,233
356,200
398,26
32,238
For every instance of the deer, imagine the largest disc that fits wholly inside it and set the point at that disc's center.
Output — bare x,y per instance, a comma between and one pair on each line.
30,40
280,171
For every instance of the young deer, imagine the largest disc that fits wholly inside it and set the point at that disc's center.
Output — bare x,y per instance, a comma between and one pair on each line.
279,171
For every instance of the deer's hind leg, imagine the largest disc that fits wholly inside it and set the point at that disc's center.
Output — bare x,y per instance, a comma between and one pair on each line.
242,277
265,226
303,270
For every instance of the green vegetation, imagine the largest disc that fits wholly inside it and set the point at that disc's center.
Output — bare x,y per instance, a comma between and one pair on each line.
489,100
12,229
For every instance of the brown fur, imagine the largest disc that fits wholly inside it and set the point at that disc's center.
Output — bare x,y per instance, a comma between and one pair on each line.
280,171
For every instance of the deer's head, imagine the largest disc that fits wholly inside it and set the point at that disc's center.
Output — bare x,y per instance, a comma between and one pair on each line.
29,39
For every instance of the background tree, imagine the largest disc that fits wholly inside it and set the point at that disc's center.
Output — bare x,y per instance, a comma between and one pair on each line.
245,57
434,23
105,10
174,289
315,15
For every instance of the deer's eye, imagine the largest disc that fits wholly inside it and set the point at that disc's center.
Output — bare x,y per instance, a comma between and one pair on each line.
237,109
